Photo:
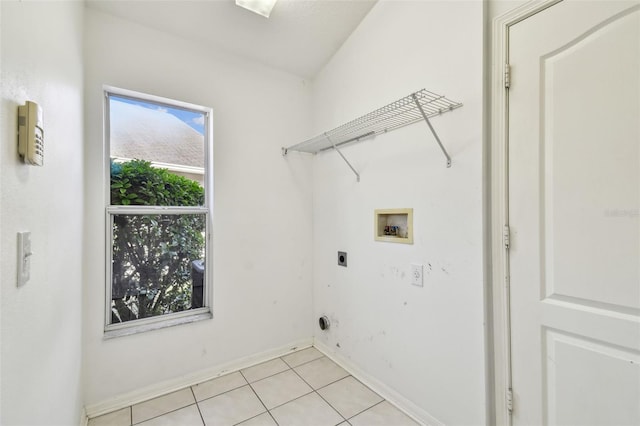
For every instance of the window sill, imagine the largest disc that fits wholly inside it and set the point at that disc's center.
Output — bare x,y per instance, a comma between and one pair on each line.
140,326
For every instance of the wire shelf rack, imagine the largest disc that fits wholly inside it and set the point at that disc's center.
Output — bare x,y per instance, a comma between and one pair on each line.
418,106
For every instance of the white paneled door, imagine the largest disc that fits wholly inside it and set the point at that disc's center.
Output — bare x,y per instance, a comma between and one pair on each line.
574,214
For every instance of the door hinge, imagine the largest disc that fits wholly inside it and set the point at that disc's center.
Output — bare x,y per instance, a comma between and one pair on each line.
507,76
510,400
506,236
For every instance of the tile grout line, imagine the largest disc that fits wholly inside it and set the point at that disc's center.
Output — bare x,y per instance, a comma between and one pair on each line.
367,387
294,399
247,382
164,414
344,419
297,397
251,418
222,375
336,381
259,399
357,414
265,377
378,403
214,378
171,411
250,384
197,406
291,400
316,391
306,362
256,381
221,393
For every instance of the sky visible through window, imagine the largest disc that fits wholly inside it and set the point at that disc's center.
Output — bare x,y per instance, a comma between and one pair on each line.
191,118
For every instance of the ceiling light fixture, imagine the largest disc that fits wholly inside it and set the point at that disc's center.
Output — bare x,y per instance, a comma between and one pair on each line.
261,7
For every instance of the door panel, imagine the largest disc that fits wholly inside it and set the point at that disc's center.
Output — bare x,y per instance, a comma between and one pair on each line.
574,213
593,80
585,362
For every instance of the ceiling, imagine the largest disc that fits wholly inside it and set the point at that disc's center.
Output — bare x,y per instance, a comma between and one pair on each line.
299,37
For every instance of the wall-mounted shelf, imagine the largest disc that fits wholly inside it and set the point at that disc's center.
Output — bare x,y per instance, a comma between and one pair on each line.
418,106
393,225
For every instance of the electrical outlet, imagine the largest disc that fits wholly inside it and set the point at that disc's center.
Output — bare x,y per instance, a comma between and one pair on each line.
417,274
342,258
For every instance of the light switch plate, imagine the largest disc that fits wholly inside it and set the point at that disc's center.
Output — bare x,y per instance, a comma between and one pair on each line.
24,257
417,274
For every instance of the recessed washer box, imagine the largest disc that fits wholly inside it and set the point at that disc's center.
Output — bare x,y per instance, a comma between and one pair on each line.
393,225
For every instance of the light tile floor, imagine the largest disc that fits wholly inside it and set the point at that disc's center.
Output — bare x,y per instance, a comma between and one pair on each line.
304,388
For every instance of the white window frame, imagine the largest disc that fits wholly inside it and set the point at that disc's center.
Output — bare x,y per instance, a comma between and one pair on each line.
166,320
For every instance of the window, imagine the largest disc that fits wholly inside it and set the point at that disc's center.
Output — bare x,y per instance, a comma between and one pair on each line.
158,204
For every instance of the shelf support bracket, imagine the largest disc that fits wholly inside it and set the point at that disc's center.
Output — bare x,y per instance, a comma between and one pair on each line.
415,99
343,157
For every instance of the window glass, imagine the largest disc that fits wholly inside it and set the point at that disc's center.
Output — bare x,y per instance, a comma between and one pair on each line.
157,159
157,265
165,137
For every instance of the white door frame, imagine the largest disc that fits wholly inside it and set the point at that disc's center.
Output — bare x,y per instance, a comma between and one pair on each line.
500,203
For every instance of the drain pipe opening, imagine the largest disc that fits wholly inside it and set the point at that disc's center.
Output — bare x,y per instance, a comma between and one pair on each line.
324,323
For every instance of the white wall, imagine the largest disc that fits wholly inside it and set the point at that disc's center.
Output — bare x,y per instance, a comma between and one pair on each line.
425,344
262,213
41,321
1,162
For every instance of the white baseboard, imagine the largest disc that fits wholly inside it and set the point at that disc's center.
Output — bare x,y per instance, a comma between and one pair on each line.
84,420
163,388
410,408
